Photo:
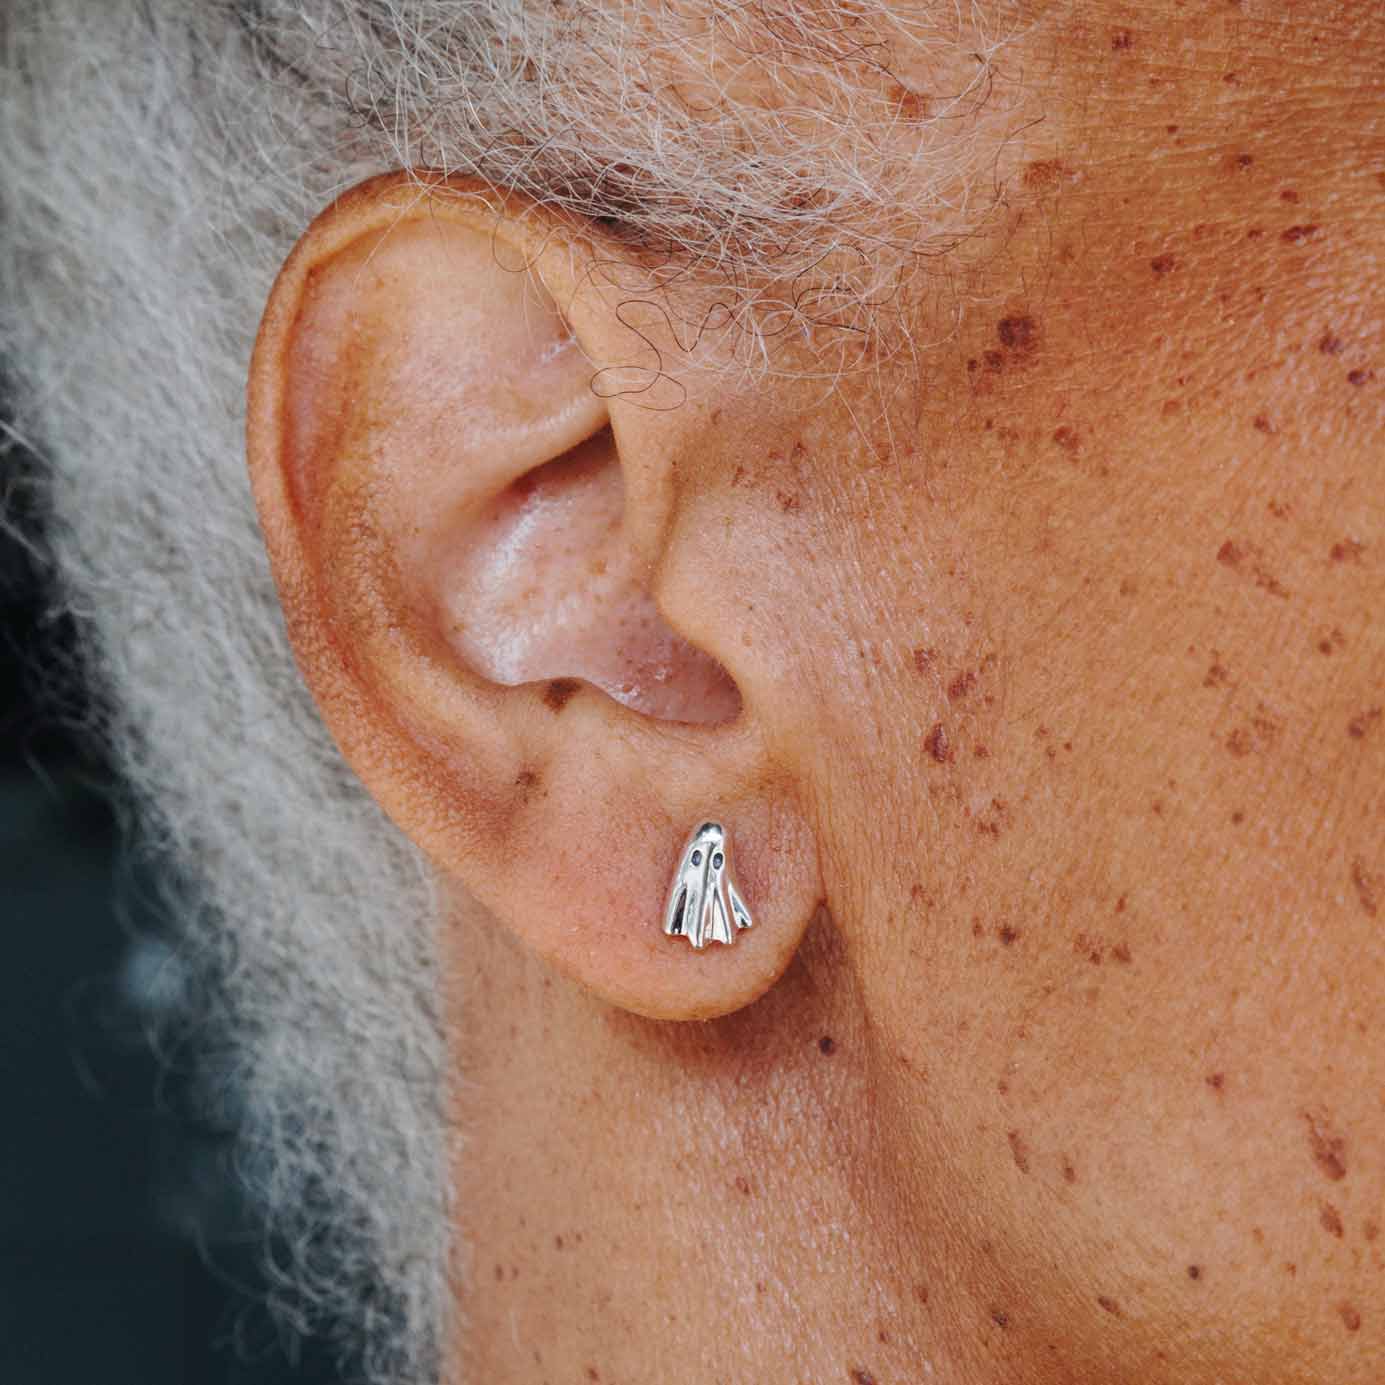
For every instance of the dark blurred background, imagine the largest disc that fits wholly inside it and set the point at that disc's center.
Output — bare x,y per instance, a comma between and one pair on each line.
127,1254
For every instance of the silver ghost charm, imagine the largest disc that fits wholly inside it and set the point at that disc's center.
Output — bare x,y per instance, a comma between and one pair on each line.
703,902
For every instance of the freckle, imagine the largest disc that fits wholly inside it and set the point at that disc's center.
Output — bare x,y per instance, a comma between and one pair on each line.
593,1373
1000,1317
923,658
1244,160
1327,1148
742,1185
1069,1172
1019,333
1238,817
981,753
1006,934
862,1377
1194,1272
1359,725
883,1337
1121,40
1121,952
1163,264
961,685
1171,129
1229,554
1351,1319
1217,1081
1255,232
559,693
739,476
1238,743
1261,424
1331,1220
1370,1230
994,359
1288,195
1110,1305
1366,890
1067,439
1348,551
1360,377
1120,905
500,1272
1019,1151
526,779
1330,345
558,1243
1294,234
827,1045
976,929
921,1293
937,744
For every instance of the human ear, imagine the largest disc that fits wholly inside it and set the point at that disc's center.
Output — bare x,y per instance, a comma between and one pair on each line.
488,587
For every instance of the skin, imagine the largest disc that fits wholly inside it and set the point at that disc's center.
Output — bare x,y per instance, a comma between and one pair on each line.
1055,1051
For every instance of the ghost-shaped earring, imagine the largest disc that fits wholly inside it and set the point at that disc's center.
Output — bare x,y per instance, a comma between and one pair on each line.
703,902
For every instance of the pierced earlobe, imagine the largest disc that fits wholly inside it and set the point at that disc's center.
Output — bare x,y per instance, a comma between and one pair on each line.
703,901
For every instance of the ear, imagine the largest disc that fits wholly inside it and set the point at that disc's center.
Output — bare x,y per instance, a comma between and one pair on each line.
467,541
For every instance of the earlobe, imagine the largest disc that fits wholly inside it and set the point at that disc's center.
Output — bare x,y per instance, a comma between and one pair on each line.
449,510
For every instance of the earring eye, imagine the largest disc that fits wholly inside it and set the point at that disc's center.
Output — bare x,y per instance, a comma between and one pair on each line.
717,860
697,858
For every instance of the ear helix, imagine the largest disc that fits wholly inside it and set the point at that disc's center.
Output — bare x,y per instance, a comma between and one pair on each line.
703,902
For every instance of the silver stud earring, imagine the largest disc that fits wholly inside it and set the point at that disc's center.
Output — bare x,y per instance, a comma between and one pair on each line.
703,902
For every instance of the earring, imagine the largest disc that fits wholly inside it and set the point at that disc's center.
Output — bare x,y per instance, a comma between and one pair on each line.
703,901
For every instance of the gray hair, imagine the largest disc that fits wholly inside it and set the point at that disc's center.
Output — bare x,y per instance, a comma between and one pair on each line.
161,157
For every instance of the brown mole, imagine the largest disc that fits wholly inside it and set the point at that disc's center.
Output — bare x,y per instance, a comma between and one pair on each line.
1331,1220
559,693
1327,1148
1019,332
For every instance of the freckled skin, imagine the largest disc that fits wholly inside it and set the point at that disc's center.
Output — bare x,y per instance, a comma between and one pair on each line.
1070,1089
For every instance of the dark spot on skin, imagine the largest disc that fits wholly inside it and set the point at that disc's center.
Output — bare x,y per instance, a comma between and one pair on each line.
1000,1317
742,1185
593,1373
981,753
499,1272
1351,1319
1331,1220
557,1243
911,105
862,1377
739,476
1359,725
1360,377
1046,173
1330,345
1261,424
994,359
1294,234
1371,1230
1218,676
1244,160
937,744
1194,1272
1110,1305
1367,888
1326,1146
1332,641
1019,1151
923,659
1348,551
1229,554
883,1337
1217,1081
921,1293
559,693
1121,952
1121,40
1237,818
527,780
1006,934
788,502
827,1045
1163,264
1067,439
1069,1172
1288,195
961,685
977,931
1019,333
